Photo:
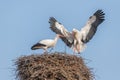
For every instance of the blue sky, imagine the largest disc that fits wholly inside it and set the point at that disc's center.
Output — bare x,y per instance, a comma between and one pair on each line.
25,22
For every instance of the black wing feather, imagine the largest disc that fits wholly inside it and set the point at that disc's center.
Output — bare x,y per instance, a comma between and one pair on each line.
37,46
99,14
67,40
52,22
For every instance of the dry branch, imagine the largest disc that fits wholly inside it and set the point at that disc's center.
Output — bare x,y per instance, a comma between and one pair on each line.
54,66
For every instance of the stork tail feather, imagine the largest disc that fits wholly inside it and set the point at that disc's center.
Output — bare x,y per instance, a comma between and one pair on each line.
37,46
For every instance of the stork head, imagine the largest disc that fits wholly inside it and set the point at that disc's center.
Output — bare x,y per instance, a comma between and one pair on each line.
57,35
74,31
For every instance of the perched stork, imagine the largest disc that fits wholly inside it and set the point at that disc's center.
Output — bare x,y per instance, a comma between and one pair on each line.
45,44
77,39
88,31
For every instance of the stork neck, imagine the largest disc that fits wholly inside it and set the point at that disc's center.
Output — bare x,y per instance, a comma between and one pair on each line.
56,38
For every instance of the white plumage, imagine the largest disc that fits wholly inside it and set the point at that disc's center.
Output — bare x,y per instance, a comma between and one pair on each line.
78,45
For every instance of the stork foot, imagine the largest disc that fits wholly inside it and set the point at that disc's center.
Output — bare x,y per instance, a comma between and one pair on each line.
45,52
50,50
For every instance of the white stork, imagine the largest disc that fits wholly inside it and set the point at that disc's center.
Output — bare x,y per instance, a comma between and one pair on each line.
46,43
77,39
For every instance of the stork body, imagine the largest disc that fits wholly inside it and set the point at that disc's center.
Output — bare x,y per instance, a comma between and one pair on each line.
78,45
45,44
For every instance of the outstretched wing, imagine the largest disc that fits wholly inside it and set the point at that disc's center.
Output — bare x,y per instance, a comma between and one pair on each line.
58,28
91,27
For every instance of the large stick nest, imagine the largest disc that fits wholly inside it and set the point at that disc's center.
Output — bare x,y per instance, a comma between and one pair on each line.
54,66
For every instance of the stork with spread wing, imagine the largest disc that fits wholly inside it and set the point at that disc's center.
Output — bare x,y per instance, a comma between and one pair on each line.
77,39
